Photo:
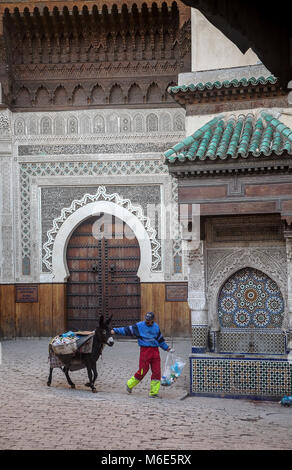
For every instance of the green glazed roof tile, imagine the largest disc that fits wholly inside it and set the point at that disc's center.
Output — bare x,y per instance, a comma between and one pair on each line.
265,145
245,136
181,157
234,138
191,154
211,152
277,142
288,146
201,153
278,125
256,137
189,140
224,84
231,151
227,134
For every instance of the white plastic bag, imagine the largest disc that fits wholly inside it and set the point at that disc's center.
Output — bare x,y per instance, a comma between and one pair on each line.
172,370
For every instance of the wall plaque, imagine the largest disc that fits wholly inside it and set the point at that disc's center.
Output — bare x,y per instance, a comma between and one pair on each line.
176,292
25,293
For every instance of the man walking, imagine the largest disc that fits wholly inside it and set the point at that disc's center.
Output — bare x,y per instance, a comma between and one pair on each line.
149,340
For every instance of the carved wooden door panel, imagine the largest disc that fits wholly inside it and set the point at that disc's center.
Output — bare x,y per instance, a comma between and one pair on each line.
103,257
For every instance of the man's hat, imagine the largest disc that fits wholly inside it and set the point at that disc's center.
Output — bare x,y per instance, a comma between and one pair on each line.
149,316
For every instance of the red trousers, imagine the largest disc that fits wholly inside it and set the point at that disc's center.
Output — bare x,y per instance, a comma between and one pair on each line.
149,357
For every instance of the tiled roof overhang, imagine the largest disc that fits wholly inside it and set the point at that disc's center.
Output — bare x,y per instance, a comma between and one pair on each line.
226,90
244,143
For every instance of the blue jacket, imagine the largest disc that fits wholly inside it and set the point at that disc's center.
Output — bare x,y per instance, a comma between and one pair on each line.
149,336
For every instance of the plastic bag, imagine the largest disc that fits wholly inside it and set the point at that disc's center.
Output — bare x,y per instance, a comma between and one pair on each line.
172,370
286,401
65,343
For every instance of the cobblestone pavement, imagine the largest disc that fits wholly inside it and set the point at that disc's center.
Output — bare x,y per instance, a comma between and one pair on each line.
35,416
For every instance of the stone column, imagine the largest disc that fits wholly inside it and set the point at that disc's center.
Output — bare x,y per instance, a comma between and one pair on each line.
197,295
288,236
6,201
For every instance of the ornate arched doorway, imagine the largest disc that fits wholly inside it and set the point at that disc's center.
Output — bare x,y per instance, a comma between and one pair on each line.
251,313
103,257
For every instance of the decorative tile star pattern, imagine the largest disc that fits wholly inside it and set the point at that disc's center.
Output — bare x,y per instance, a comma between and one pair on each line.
250,299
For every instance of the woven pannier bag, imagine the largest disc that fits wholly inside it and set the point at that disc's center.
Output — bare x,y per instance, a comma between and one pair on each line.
68,347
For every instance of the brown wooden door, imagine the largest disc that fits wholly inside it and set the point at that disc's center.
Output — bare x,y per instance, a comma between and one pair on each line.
103,273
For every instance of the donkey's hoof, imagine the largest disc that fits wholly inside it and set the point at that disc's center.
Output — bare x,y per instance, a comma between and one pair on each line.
87,385
73,386
48,384
94,390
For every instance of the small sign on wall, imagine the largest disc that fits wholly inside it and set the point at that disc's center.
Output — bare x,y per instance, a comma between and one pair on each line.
26,293
176,292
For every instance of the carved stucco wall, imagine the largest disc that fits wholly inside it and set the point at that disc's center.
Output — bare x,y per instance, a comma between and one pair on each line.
197,282
88,206
97,124
223,263
68,154
289,282
6,201
55,199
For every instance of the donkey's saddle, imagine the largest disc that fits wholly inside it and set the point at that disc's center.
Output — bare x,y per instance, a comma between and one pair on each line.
84,342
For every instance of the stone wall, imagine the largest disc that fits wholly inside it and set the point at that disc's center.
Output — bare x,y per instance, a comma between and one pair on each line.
209,47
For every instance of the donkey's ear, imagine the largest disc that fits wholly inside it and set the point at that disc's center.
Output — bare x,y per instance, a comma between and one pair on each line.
109,320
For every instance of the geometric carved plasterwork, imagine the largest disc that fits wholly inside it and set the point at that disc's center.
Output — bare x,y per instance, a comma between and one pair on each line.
99,123
289,250
196,268
5,126
176,238
105,148
29,170
101,194
223,263
289,280
196,272
97,132
197,294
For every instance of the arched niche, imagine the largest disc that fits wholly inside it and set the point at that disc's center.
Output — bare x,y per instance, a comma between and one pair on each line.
59,266
250,299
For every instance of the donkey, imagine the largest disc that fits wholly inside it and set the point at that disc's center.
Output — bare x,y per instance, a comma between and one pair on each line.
101,337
